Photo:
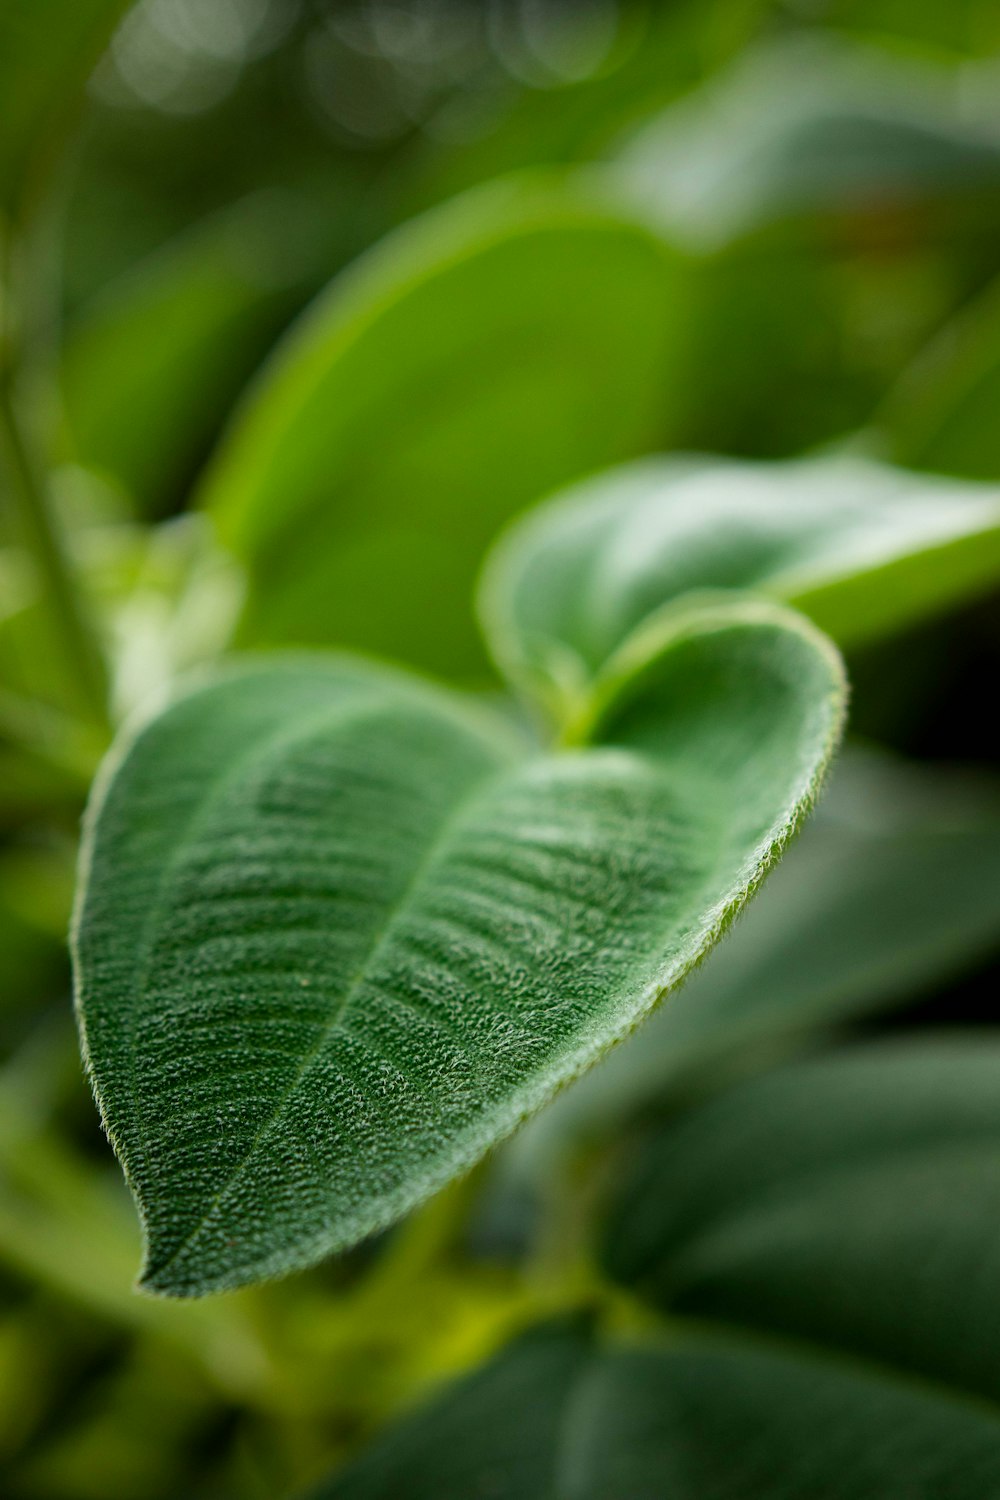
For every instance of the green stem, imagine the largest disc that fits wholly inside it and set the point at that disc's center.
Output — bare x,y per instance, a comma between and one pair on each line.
83,658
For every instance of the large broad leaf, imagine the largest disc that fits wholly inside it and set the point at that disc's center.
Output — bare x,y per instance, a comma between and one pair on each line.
47,48
478,357
339,932
860,547
703,1418
893,887
848,1204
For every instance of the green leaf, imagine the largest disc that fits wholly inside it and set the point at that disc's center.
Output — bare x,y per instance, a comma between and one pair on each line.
494,1434
165,598
339,932
152,365
862,548
941,413
891,890
847,1204
705,1418
47,48
809,138
441,383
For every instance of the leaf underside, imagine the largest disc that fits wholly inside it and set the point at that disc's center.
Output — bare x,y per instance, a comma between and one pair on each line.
339,931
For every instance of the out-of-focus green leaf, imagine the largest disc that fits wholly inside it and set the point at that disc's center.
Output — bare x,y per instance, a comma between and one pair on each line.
566,114
844,201
153,364
339,932
478,357
166,598
47,48
848,1204
707,1415
861,548
956,33
496,1433
942,412
808,137
891,889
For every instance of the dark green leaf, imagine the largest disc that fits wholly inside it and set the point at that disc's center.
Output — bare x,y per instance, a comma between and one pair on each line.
152,365
477,358
705,1418
893,887
861,548
339,932
495,1435
848,1204
47,48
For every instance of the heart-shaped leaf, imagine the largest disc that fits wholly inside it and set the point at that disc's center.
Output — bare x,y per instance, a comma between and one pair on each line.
860,547
340,932
443,382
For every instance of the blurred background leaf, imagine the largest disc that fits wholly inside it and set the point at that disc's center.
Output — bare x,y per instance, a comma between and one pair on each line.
441,384
861,548
47,48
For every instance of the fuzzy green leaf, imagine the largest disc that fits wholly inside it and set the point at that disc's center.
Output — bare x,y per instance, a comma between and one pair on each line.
861,548
339,931
443,382
893,889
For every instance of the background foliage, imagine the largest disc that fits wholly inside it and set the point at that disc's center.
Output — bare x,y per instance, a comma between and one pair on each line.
541,239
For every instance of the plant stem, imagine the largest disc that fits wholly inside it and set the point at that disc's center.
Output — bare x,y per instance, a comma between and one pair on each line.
83,658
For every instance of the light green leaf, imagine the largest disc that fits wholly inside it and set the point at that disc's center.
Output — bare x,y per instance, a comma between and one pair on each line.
443,382
165,598
810,136
703,1418
47,48
861,548
340,932
848,1204
893,888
